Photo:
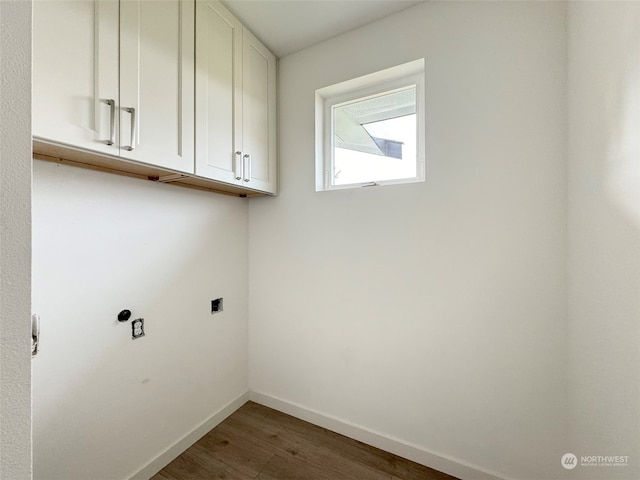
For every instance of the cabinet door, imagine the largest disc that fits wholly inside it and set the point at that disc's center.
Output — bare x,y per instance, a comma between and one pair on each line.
259,115
218,93
75,73
156,82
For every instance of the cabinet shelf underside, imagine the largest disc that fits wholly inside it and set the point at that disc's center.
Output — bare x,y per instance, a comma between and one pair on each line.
43,150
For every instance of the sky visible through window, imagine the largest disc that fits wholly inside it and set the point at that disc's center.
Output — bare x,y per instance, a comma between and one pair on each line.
352,166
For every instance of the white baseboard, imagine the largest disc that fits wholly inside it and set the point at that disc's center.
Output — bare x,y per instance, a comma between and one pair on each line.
166,457
450,466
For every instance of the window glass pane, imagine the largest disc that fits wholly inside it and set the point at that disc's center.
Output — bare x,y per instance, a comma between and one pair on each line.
375,138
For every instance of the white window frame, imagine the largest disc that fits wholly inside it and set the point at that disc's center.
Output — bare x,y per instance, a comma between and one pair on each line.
372,85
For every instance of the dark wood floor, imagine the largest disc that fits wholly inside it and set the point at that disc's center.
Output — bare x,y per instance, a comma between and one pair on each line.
259,443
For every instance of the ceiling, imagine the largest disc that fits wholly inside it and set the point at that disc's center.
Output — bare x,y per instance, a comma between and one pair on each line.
286,26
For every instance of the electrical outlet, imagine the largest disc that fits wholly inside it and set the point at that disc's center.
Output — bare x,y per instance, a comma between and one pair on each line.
216,305
137,328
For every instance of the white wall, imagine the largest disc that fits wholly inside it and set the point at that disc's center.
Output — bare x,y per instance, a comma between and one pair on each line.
604,233
105,405
15,240
433,313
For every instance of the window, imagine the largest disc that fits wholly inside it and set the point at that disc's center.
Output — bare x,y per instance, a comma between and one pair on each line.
370,130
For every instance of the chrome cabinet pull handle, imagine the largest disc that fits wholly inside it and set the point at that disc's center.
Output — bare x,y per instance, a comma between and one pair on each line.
112,121
247,167
35,334
132,111
237,167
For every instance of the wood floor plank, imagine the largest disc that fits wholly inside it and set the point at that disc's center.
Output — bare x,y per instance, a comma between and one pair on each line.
374,458
162,475
280,468
259,443
185,467
192,466
290,444
235,450
255,409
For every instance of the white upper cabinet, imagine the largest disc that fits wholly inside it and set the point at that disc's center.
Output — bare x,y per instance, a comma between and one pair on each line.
156,82
117,78
235,102
218,93
172,90
258,114
75,73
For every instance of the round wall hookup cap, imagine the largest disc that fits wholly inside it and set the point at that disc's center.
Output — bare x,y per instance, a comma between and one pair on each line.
124,315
